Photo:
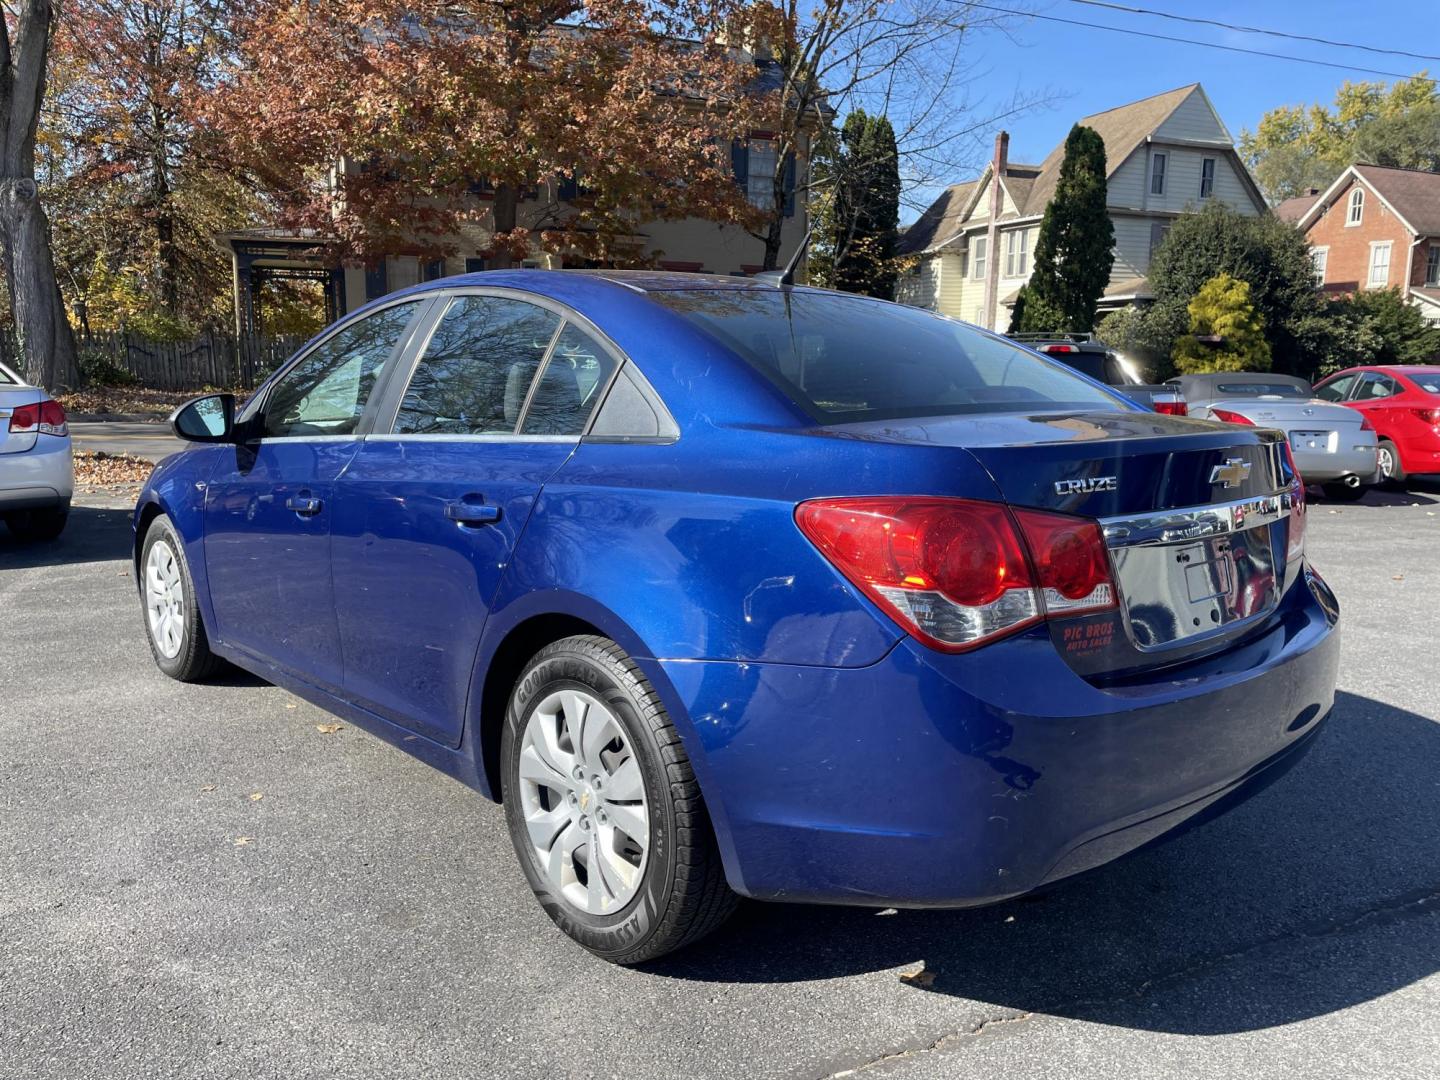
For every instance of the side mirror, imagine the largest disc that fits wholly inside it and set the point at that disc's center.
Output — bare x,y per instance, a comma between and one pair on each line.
209,419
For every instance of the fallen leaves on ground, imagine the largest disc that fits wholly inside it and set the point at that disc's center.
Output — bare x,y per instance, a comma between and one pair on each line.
328,729
256,796
923,979
95,469
126,400
241,841
207,787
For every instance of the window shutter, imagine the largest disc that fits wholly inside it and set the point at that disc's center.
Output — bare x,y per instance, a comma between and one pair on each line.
376,281
568,190
790,185
740,161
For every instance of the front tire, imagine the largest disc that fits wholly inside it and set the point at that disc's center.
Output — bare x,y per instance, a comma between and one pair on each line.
37,526
603,807
172,620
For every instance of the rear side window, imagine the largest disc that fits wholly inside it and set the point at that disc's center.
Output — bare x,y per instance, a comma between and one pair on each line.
843,358
475,374
577,372
1373,385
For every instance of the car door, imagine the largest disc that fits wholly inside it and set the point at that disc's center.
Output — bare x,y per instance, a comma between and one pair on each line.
429,511
269,503
1371,395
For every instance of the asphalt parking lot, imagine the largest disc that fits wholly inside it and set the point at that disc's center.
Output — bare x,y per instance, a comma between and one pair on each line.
197,882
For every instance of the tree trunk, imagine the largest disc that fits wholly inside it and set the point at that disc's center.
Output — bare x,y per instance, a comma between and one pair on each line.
47,346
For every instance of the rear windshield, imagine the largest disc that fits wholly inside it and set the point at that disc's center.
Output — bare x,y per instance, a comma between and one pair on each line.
844,358
1259,389
7,379
1101,366
1429,381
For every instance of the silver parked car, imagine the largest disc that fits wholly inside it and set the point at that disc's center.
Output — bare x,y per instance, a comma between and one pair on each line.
37,476
1334,447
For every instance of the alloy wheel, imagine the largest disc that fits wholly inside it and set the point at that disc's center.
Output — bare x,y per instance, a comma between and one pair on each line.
583,799
1387,462
165,599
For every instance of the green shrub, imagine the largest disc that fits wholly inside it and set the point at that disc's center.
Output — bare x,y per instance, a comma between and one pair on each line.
98,368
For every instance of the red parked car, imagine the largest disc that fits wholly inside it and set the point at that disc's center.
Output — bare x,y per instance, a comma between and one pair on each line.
1402,403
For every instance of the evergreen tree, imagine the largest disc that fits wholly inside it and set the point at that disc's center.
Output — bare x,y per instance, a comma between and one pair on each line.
1226,332
858,208
1075,248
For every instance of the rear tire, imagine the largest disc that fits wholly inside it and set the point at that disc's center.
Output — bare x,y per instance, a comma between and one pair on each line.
588,752
172,620
1391,471
1343,492
37,526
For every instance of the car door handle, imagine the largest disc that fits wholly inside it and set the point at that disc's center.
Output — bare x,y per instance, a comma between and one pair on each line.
471,511
303,504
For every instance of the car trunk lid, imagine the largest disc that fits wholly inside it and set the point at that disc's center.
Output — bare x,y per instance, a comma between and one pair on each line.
1195,516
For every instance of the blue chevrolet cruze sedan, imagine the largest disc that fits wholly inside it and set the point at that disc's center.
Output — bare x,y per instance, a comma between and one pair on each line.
728,588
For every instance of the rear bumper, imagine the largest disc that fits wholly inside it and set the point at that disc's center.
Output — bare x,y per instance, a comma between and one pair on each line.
1322,467
39,477
935,780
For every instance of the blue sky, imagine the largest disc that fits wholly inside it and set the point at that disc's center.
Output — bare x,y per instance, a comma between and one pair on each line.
1086,71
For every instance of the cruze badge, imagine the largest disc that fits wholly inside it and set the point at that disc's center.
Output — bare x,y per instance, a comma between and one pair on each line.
1232,474
1086,486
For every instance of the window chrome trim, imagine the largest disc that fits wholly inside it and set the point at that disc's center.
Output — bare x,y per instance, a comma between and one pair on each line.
477,437
1196,522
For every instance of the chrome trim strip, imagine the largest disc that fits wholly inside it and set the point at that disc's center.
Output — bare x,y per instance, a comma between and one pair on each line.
473,437
1195,522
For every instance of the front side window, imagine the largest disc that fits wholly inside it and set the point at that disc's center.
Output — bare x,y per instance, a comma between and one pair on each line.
1017,253
1207,177
1356,211
576,374
1157,174
1379,265
1336,389
326,392
842,358
977,264
475,374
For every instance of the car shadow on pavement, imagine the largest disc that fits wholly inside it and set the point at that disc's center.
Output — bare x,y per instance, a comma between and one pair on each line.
1259,901
1423,491
93,534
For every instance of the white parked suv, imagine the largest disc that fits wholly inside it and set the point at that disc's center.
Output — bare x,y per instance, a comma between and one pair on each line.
37,476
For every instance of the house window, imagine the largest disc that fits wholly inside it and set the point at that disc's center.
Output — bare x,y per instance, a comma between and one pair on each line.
1207,177
760,177
1017,253
1357,207
977,263
377,282
1158,231
1157,174
1379,265
432,270
1432,265
1319,257
474,265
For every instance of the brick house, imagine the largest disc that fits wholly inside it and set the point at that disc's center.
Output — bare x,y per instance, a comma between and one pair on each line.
1165,156
1375,228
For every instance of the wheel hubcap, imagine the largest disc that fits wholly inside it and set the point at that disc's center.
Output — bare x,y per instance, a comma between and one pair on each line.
1387,466
165,599
584,802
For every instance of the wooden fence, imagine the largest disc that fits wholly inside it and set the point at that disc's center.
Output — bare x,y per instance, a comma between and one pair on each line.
207,360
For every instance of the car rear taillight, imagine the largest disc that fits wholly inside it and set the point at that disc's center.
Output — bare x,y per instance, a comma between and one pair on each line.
1429,416
1295,545
45,417
1231,417
1365,424
1058,349
957,573
1169,404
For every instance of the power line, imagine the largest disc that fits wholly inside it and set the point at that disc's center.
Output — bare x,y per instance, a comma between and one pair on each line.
1187,41
1254,29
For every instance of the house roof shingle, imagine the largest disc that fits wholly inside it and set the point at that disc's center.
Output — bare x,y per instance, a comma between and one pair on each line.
940,220
1292,210
1414,193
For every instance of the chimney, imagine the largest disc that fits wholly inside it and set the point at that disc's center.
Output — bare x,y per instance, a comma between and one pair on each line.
990,318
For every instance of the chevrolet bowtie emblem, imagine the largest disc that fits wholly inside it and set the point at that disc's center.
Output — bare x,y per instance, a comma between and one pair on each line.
1233,473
